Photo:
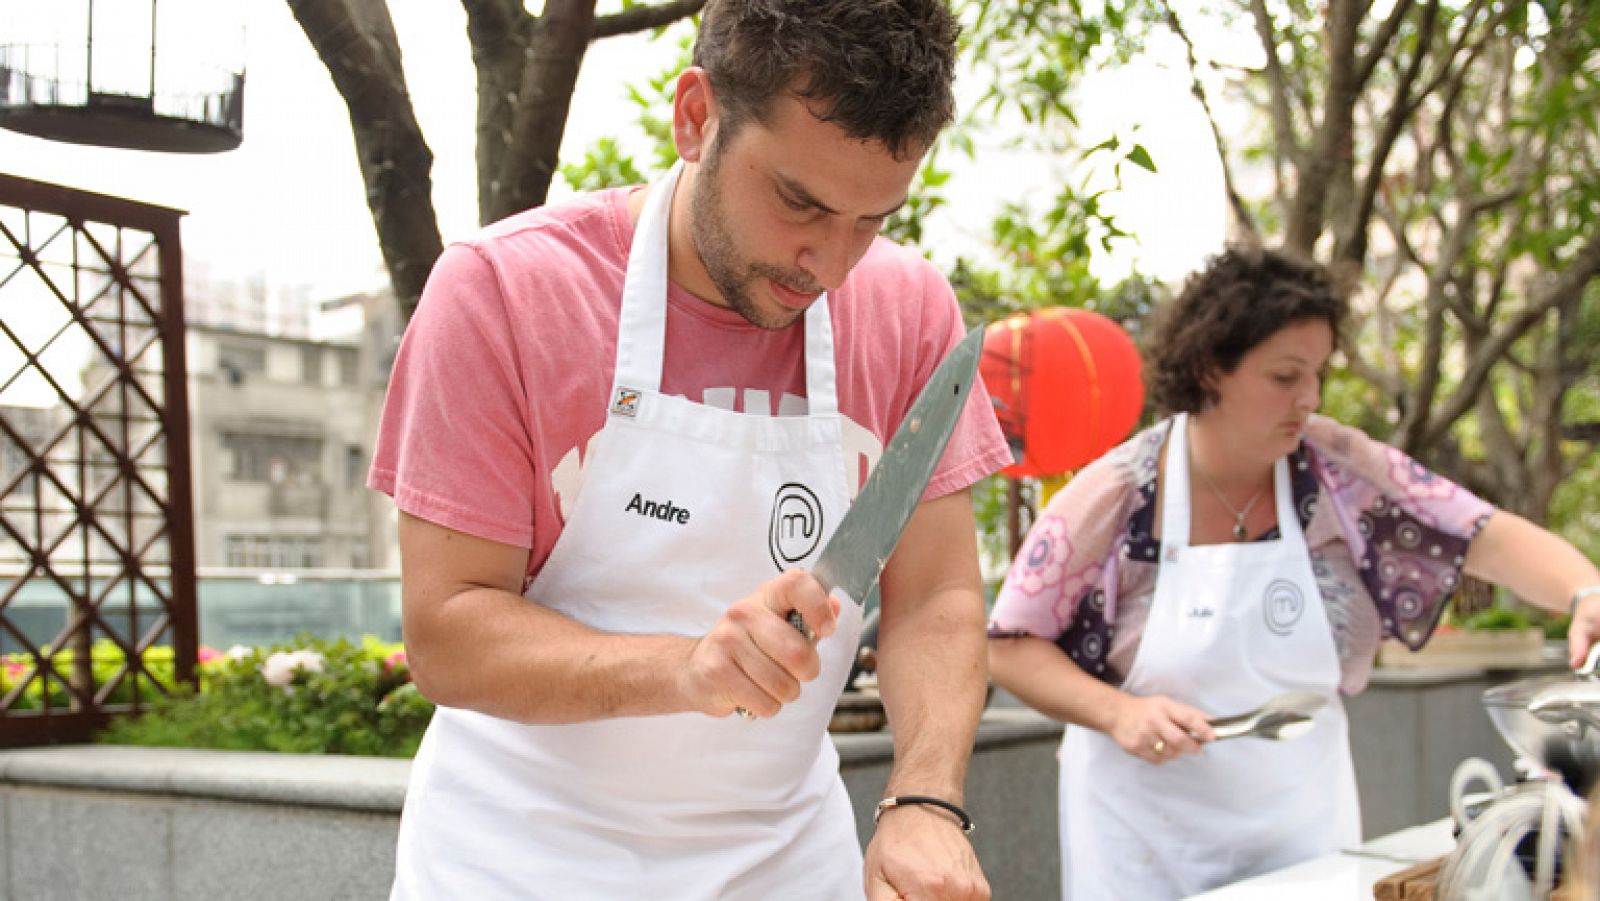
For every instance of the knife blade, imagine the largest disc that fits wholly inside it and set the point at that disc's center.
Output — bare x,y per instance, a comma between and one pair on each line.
855,554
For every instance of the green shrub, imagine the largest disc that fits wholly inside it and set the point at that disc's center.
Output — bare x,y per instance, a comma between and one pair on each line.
106,659
1498,619
309,696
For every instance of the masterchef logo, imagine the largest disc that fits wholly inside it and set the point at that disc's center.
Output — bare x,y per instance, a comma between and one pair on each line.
1283,605
796,526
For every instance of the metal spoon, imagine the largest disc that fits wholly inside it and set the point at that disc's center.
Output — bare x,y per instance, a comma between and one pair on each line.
1282,718
1569,703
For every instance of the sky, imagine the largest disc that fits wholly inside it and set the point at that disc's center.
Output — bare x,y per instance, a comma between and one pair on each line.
288,205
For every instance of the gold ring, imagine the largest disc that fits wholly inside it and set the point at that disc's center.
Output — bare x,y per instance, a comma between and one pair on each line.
744,713
1160,747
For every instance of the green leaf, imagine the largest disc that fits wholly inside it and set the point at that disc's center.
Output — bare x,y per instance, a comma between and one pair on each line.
1141,157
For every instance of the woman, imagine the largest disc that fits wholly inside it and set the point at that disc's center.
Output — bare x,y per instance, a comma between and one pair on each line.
1241,548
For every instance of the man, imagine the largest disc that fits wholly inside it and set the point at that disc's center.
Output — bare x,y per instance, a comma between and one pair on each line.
619,429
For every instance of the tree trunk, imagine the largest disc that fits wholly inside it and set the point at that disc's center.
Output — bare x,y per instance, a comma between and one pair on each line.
553,55
356,40
527,68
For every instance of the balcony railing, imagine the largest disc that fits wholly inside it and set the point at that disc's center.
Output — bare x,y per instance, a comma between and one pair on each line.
43,93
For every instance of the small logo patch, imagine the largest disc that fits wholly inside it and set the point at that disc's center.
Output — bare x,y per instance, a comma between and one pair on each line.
1283,605
796,527
627,402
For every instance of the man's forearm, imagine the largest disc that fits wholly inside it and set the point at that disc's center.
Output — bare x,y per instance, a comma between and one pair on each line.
497,653
933,676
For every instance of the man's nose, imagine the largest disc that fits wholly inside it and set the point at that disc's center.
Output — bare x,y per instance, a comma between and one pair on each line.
832,253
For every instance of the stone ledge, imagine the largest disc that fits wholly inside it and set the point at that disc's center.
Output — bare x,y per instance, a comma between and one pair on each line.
1001,727
374,784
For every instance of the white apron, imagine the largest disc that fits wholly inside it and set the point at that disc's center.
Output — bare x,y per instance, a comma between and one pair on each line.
684,509
1230,626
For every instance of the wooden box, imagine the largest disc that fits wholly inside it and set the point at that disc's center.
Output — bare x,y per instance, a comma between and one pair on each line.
1504,649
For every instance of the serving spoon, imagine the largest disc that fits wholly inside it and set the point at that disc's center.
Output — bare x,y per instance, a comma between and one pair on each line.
1284,717
1568,703
1574,703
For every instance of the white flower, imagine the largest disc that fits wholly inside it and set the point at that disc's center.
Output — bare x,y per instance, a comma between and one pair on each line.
279,668
237,652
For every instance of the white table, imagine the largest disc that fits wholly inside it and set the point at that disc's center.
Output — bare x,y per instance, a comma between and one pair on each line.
1345,875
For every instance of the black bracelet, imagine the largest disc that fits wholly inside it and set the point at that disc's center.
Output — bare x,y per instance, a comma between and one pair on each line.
894,801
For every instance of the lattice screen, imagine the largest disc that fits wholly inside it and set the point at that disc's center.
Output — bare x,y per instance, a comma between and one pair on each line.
97,591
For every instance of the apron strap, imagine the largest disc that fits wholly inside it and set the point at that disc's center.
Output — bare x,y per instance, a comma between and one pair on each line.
642,325
1175,488
822,390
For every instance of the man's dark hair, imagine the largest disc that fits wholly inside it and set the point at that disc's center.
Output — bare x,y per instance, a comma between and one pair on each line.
879,69
1239,300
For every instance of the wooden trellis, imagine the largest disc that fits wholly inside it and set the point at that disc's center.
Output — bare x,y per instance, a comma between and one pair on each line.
97,580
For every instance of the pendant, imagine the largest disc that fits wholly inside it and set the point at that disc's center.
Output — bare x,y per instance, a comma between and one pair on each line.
1239,533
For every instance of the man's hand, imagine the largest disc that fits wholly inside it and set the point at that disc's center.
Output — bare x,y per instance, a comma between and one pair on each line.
752,658
918,853
1157,729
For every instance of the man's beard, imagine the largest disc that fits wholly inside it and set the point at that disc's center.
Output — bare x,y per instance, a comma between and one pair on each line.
732,276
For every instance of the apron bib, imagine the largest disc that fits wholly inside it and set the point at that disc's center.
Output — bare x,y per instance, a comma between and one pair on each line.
1230,626
684,509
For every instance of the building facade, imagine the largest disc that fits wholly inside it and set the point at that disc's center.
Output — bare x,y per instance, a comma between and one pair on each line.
282,430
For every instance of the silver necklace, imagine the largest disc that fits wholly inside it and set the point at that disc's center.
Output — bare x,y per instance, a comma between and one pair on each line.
1240,533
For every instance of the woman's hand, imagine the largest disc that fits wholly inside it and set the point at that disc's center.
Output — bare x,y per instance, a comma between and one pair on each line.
1157,729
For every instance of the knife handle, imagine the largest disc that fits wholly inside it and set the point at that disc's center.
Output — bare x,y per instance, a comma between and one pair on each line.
799,623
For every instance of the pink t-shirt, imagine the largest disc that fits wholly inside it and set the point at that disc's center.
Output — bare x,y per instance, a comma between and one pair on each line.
503,374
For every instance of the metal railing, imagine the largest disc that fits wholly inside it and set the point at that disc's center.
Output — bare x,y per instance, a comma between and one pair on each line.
46,97
32,75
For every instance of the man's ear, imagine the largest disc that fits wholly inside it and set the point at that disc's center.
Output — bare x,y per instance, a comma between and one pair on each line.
694,114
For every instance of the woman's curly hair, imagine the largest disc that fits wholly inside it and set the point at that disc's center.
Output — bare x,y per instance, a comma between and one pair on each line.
1240,299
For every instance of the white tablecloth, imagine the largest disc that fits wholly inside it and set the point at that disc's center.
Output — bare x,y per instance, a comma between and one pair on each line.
1345,875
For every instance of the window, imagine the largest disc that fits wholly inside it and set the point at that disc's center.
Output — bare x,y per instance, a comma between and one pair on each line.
311,365
239,360
277,459
348,360
355,468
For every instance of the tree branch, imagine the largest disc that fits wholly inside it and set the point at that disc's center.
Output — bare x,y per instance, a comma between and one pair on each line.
1381,41
1278,84
642,18
1566,285
1236,204
1413,426
1353,245
1333,135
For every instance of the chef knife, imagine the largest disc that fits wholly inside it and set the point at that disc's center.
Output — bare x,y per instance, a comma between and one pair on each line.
855,555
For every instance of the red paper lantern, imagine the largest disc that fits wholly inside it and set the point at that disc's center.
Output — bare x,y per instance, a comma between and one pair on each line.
1065,384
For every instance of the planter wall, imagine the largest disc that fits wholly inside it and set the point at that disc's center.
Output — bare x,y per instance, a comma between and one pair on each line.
94,821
